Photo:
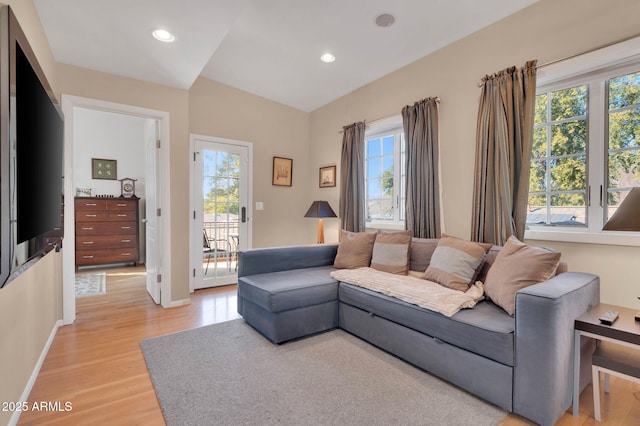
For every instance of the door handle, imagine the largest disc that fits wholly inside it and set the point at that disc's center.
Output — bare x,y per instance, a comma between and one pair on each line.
243,214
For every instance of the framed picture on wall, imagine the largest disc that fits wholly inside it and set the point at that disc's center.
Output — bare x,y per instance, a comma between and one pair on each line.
104,169
282,171
327,176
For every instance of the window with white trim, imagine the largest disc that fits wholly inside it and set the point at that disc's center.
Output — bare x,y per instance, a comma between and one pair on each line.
385,175
586,149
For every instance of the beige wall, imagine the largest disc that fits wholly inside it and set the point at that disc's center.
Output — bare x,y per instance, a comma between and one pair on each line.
274,130
547,31
30,305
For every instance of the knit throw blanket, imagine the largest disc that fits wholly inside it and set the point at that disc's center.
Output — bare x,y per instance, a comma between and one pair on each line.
411,289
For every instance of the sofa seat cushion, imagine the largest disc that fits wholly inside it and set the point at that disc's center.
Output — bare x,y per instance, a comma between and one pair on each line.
285,290
486,329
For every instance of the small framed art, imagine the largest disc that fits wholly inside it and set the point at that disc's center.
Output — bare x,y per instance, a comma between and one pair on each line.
104,169
282,171
327,176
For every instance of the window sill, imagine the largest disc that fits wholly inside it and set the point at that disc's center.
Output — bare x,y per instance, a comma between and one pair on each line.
585,237
392,226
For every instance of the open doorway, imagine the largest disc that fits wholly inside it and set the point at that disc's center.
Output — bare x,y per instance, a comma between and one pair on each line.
130,139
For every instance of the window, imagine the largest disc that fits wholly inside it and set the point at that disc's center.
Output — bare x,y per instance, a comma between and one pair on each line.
558,174
384,176
623,138
586,146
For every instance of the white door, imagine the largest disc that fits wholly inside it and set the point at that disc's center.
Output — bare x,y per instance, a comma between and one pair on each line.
152,240
220,202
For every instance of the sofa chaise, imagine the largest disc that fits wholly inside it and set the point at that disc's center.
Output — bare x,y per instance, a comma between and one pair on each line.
522,363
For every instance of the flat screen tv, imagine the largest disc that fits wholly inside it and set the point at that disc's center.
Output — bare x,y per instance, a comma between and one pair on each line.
31,155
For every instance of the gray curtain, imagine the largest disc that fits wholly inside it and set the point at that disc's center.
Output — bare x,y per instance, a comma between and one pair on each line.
352,197
420,123
503,152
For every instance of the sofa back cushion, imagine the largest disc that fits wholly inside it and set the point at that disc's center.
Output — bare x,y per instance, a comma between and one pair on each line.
354,250
421,251
391,252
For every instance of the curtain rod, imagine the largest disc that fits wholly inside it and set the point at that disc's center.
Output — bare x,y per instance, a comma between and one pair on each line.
385,118
575,55
604,46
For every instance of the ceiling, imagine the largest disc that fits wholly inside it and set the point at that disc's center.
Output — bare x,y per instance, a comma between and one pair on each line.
270,48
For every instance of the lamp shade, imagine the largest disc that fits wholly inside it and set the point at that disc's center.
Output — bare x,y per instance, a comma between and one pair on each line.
627,216
320,209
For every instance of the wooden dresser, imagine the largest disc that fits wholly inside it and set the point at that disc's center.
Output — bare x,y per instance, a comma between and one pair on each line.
106,230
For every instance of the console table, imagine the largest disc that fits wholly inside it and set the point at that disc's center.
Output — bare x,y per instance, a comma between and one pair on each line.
624,331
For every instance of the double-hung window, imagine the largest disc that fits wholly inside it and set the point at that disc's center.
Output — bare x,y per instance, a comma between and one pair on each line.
385,175
586,147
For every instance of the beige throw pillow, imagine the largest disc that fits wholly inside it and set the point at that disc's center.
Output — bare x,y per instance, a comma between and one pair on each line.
354,250
517,266
455,263
391,252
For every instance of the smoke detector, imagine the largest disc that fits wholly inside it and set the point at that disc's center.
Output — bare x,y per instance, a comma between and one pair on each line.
385,20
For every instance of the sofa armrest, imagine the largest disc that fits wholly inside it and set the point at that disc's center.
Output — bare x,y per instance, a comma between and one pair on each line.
274,259
544,325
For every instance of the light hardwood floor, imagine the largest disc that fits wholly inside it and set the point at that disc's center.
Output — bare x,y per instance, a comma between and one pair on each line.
96,363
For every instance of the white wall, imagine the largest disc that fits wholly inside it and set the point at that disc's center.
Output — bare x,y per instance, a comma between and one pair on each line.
100,134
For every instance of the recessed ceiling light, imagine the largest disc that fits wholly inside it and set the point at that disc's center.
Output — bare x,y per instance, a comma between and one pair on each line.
385,20
327,57
163,35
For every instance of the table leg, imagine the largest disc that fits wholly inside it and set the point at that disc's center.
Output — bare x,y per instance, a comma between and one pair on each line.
576,372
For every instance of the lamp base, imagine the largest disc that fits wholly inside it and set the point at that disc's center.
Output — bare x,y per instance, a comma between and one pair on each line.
320,231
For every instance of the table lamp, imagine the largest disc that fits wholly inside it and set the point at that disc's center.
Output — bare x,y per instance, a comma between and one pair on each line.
320,209
626,216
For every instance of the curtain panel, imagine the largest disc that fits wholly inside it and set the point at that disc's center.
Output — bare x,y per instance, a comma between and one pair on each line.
503,151
422,214
352,196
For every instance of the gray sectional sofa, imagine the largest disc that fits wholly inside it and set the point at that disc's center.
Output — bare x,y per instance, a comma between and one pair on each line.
521,363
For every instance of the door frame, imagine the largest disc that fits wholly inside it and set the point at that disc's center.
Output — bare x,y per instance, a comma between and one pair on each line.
195,236
69,103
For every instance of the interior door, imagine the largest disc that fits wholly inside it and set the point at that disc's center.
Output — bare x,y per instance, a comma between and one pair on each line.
220,215
152,240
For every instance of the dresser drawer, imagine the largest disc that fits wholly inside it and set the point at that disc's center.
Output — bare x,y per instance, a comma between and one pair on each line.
105,241
90,204
121,204
91,215
106,228
117,215
94,257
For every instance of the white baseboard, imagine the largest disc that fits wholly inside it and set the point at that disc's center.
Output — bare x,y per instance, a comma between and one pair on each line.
36,370
177,303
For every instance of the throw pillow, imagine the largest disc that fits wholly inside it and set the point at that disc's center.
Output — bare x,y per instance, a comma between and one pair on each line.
455,263
354,250
517,266
391,252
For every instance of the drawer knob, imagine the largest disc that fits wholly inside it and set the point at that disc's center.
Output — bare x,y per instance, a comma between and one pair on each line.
121,204
90,204
87,257
125,254
122,215
125,241
91,215
87,242
87,229
125,227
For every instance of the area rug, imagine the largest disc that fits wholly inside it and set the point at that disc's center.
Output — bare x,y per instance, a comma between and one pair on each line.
91,284
228,374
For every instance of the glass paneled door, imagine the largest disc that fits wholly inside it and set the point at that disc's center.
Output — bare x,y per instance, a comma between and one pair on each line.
220,214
